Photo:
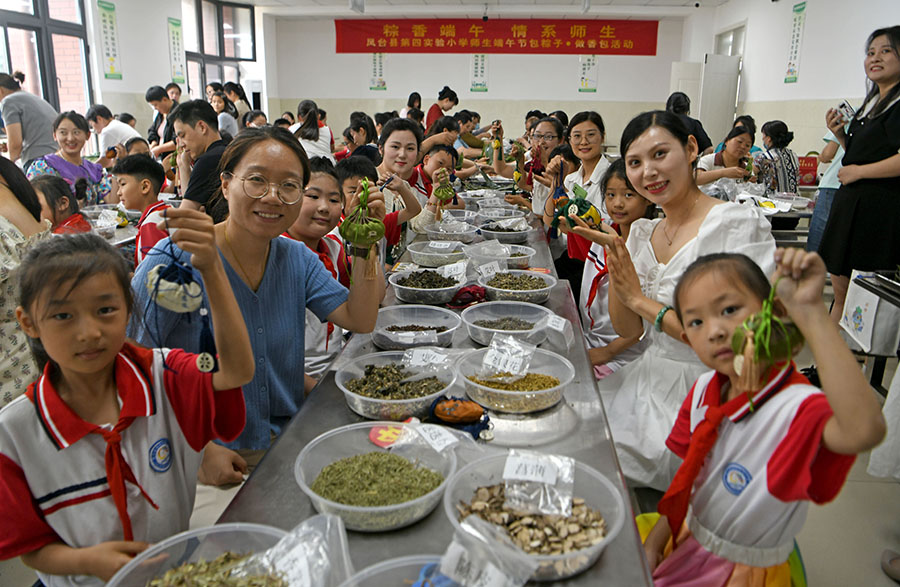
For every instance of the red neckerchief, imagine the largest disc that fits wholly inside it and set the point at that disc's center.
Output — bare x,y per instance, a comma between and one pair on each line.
426,183
535,165
138,247
674,504
322,251
65,427
595,283
74,224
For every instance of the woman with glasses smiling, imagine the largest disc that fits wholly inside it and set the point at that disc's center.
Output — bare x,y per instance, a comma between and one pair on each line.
264,174
71,132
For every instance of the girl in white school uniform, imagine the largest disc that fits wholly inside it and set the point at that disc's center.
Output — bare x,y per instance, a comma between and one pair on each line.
72,514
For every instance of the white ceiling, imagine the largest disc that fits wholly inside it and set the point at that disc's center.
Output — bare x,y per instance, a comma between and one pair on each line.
475,8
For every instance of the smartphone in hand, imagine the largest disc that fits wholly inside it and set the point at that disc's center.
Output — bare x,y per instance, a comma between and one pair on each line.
846,110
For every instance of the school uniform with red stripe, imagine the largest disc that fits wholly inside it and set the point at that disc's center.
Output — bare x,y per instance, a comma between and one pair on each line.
148,234
750,498
63,479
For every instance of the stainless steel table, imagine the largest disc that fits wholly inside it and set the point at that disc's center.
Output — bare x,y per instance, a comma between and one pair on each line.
576,427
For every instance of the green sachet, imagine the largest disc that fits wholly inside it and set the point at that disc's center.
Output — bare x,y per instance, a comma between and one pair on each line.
363,231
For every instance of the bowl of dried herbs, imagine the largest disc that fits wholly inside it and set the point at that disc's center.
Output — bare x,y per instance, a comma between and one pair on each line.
379,386
435,253
407,326
518,285
201,557
539,388
373,488
563,545
517,319
424,287
451,229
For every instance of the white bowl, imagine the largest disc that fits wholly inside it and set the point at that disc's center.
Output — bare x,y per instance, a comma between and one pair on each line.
414,314
387,409
497,310
465,235
352,440
535,296
598,492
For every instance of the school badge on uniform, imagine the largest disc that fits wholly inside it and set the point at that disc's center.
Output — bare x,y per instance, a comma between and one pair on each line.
735,478
161,455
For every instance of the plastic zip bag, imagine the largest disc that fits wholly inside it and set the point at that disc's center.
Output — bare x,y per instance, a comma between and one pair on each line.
482,555
314,554
539,483
506,359
559,331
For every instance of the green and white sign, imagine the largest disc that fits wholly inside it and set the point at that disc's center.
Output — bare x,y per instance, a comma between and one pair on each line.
109,41
793,66
587,81
377,82
176,51
479,71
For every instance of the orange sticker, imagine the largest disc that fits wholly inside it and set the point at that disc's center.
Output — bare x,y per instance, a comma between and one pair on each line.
384,436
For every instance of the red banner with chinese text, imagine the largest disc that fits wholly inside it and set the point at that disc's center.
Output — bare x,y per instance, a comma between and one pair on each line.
578,37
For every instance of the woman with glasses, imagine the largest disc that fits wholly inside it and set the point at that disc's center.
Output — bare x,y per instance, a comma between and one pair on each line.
71,132
264,174
548,134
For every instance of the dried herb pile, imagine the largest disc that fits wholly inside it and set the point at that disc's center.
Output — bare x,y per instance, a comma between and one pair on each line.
375,479
385,382
426,280
506,323
415,328
519,282
214,573
528,382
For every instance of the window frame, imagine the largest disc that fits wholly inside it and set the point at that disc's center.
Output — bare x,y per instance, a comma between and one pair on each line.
220,57
44,28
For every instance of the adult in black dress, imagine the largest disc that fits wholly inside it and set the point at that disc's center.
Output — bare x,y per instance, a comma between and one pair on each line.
863,230
679,103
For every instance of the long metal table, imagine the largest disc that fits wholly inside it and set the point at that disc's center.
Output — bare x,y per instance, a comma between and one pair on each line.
576,427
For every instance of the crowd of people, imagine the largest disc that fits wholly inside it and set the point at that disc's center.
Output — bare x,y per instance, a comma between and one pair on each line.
661,282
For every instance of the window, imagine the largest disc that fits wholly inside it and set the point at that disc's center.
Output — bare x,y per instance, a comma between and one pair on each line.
210,29
238,32
730,42
189,26
47,41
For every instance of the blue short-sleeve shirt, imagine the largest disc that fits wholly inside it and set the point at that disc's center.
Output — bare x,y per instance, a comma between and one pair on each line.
294,280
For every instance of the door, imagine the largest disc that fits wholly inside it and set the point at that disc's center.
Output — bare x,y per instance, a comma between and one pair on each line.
718,94
686,78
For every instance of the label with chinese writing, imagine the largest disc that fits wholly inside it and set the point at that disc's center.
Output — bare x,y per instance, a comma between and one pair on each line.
459,566
556,323
436,436
440,245
489,269
532,467
422,357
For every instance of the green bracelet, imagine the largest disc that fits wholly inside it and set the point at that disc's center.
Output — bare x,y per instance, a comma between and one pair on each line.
657,324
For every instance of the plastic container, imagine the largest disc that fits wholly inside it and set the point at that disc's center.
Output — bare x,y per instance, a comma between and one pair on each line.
426,255
351,440
194,546
493,204
535,296
396,571
500,212
387,409
523,261
465,235
468,216
497,310
597,491
417,295
415,314
517,402
519,236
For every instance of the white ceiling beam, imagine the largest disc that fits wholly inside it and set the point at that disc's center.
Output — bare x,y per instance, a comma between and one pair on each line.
501,11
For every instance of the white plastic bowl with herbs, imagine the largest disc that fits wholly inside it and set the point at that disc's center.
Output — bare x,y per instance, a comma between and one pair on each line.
518,286
436,253
516,319
409,286
408,326
343,470
379,386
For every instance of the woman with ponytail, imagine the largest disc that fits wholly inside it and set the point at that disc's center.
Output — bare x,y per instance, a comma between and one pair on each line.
779,168
28,119
316,140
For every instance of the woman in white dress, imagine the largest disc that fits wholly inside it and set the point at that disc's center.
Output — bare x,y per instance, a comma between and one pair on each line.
316,140
643,399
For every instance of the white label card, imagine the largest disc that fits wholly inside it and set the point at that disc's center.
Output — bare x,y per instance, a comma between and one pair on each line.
437,436
458,566
530,468
456,271
489,269
503,362
442,244
422,357
557,323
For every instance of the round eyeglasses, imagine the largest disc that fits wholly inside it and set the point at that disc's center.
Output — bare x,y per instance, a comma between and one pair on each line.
257,186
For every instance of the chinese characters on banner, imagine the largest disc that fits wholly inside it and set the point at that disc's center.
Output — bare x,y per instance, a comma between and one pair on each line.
793,66
588,78
109,39
572,37
479,73
176,51
377,82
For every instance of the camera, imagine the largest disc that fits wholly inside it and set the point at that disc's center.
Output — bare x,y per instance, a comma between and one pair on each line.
484,18
696,5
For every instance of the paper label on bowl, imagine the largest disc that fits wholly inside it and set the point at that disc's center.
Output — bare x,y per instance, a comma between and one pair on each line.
557,323
459,566
442,244
437,436
531,467
423,357
489,269
455,271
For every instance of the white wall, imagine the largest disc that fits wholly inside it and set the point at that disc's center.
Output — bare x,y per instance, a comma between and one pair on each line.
308,66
